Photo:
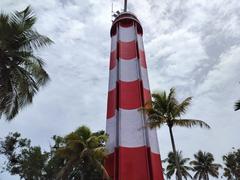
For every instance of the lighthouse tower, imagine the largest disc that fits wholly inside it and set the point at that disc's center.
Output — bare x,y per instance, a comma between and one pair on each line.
133,151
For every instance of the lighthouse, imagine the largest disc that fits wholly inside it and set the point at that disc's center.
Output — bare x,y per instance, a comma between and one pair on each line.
133,150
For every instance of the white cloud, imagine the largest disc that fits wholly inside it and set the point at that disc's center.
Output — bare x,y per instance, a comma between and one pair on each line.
223,77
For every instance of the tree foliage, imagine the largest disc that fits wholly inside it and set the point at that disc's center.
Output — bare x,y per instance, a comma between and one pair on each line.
22,73
232,165
166,109
237,105
78,155
83,152
23,159
203,166
172,168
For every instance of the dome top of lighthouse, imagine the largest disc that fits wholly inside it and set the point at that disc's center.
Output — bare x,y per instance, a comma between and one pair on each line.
126,19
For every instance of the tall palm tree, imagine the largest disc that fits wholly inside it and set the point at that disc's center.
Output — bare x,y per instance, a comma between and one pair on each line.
165,109
21,71
172,168
83,152
237,105
203,166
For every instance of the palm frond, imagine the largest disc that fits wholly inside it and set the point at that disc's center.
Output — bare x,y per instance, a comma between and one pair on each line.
159,101
4,19
83,132
172,94
21,72
155,121
34,40
237,105
190,123
172,167
12,107
99,153
25,18
203,165
182,107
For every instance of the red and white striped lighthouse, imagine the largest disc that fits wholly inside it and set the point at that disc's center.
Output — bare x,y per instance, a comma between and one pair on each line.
133,149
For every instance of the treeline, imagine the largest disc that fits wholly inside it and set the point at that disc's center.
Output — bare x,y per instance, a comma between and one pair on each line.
80,155
203,166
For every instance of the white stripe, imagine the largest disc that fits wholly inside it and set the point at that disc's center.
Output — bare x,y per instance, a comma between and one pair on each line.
128,70
127,34
131,128
111,131
144,75
153,140
112,79
140,42
114,43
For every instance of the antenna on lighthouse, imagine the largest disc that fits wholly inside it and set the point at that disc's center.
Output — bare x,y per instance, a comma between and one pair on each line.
115,13
125,5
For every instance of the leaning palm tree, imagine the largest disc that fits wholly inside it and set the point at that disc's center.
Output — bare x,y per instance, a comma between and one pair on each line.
203,166
21,71
237,105
172,168
165,109
83,153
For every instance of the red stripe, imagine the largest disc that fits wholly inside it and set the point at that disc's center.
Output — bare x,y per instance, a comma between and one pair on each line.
127,50
109,165
111,104
129,93
133,164
156,167
142,58
113,60
126,22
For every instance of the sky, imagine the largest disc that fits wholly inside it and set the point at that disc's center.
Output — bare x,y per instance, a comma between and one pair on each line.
192,45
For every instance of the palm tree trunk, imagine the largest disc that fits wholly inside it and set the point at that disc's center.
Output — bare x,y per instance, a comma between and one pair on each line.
105,173
175,154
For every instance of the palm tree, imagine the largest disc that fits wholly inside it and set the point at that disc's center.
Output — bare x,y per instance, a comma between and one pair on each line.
237,105
165,109
172,168
83,152
232,165
21,72
203,166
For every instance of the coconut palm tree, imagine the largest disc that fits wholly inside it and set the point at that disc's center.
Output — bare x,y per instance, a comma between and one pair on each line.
165,109
21,71
172,168
232,165
237,105
203,166
83,152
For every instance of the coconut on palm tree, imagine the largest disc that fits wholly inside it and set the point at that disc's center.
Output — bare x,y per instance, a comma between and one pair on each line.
83,153
172,168
237,105
204,166
21,71
167,110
